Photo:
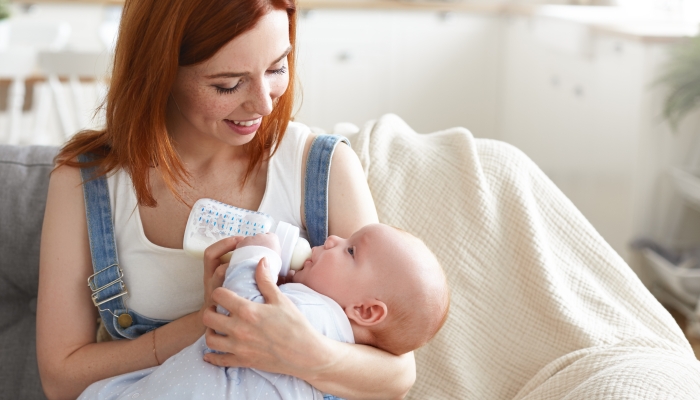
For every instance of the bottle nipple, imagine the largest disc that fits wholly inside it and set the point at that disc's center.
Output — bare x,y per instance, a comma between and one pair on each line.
301,253
294,249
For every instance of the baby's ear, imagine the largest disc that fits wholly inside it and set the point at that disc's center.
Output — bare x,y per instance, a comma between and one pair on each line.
368,313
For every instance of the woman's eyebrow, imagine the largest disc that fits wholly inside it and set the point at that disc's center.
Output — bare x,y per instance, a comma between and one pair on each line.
239,74
285,54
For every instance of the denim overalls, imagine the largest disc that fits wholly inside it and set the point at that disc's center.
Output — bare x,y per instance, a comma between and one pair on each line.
107,284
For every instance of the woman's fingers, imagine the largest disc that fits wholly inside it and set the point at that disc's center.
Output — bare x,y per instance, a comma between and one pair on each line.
243,314
222,360
228,300
219,275
227,345
273,337
213,253
267,284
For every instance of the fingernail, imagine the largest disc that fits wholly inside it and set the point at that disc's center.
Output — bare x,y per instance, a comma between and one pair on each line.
264,263
207,358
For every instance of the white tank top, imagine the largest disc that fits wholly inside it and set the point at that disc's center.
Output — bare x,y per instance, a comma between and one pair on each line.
166,283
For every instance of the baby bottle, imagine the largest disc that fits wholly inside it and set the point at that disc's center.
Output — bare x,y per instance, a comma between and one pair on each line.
211,221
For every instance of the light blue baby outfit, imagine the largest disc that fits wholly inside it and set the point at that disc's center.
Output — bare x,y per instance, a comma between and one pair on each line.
187,376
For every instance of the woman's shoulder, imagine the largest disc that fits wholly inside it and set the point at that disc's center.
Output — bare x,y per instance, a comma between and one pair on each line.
298,132
307,134
65,184
300,137
297,140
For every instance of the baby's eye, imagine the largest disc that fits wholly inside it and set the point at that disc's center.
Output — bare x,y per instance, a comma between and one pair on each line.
351,251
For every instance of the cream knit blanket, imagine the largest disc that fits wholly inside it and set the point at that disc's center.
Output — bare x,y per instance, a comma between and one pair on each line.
541,306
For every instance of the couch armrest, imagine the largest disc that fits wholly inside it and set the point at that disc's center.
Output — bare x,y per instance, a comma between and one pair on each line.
24,178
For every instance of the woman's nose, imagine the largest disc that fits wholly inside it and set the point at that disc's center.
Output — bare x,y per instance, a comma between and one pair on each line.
260,98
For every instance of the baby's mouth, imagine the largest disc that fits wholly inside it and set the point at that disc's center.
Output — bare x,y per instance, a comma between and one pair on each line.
308,261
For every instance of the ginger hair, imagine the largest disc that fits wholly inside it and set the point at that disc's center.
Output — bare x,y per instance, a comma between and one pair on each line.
156,37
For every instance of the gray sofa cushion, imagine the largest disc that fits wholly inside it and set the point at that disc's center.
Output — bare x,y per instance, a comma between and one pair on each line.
24,177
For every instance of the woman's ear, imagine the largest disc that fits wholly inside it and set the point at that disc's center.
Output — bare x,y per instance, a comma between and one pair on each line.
368,313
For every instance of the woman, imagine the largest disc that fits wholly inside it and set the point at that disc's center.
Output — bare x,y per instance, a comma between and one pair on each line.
201,95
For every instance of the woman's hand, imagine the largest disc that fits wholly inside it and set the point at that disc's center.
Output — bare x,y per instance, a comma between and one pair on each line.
214,269
273,337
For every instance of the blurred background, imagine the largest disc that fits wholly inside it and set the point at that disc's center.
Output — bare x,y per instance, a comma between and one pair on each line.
601,94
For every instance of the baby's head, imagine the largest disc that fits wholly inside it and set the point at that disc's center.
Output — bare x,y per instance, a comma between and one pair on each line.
389,283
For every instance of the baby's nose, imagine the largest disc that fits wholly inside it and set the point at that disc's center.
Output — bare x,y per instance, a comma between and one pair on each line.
331,241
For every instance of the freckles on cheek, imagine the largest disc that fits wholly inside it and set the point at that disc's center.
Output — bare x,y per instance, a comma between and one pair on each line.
220,109
216,105
211,106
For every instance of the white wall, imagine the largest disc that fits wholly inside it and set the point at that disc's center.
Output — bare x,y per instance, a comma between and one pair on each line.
582,105
435,70
579,103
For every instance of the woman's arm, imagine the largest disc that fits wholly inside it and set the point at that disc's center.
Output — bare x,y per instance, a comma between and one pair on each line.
262,337
69,359
350,203
276,337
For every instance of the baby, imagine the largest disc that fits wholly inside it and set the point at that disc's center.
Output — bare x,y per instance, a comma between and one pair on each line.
381,287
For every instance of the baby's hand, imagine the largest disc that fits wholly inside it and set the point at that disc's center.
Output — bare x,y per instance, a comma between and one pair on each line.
268,240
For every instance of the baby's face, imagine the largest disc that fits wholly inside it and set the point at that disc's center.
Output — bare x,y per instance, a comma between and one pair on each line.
344,268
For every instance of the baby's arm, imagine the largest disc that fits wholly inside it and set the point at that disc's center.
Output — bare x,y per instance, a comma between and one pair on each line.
240,275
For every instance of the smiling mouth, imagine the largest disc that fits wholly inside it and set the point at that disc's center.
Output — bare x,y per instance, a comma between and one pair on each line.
246,123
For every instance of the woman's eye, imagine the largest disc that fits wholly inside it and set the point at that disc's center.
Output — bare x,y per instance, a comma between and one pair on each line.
351,251
279,71
221,90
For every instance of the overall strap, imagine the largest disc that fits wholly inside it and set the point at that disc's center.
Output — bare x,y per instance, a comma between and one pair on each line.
107,284
318,168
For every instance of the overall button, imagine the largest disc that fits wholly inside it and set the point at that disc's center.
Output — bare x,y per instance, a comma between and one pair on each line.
125,320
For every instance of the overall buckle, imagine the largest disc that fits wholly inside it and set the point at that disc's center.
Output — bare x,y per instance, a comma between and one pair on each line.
96,290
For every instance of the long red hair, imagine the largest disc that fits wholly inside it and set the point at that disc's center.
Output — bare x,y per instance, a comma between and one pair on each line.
155,38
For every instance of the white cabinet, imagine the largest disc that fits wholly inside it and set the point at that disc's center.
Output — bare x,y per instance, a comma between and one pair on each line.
446,71
343,62
573,108
434,69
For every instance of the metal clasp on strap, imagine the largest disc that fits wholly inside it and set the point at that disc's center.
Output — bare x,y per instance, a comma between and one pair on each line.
96,290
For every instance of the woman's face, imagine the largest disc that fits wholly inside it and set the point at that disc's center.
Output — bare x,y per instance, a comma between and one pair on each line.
225,97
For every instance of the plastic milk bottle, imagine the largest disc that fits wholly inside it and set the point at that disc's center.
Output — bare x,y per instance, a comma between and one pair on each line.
211,221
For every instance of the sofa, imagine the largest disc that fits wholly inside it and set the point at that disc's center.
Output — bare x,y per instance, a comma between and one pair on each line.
541,306
24,178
